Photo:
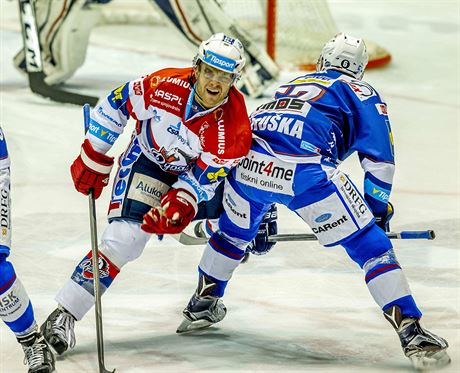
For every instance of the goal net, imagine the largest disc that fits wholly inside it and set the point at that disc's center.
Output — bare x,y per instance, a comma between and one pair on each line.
293,32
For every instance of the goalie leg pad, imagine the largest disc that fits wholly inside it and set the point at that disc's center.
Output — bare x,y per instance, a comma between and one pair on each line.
15,306
64,29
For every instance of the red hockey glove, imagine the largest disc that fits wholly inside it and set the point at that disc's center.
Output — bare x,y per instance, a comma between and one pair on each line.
178,207
91,170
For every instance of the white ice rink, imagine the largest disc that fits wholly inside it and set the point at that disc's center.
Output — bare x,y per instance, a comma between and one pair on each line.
301,308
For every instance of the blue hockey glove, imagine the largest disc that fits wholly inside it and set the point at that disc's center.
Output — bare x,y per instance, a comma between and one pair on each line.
384,221
260,245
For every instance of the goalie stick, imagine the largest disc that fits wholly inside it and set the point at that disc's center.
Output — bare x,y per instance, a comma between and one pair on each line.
34,62
95,262
187,239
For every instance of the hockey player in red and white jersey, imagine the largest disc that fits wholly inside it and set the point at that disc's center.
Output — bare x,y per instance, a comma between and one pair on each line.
192,128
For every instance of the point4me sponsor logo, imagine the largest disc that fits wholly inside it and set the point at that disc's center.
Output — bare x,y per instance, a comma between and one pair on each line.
328,226
266,168
353,197
266,173
218,61
274,122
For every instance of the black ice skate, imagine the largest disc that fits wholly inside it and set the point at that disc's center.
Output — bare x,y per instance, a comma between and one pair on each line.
58,330
38,355
204,309
424,349
202,312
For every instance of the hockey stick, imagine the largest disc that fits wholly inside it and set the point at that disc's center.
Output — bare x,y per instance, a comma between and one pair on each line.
95,262
34,62
187,239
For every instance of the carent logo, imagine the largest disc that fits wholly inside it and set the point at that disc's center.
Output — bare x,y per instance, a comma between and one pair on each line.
328,226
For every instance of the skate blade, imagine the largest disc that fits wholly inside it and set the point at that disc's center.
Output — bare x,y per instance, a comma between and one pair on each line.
189,326
428,360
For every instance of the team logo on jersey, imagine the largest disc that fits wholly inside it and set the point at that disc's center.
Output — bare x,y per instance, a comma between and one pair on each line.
214,176
86,267
361,89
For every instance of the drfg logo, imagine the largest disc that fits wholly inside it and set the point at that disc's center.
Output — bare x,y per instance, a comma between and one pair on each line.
325,227
4,212
353,196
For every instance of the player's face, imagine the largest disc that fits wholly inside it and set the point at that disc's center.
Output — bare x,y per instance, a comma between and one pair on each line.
212,85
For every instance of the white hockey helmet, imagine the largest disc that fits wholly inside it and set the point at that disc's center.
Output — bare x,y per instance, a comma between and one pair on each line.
344,53
222,52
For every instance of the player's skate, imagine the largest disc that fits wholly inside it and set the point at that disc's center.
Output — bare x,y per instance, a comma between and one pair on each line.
38,355
201,312
424,349
58,330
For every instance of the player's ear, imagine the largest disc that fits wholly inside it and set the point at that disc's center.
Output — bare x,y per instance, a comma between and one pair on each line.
196,69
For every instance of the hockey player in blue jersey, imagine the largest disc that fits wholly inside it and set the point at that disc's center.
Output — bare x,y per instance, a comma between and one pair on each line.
15,307
315,122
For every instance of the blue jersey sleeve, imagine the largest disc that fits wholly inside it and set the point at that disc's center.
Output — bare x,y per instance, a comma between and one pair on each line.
373,140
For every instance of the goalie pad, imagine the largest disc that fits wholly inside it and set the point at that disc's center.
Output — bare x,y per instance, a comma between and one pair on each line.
197,20
64,30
